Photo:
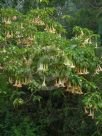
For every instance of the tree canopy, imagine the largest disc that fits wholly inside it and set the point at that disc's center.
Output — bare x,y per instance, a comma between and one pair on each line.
46,70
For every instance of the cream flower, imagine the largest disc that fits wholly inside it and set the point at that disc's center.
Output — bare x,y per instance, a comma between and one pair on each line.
41,67
44,83
10,80
16,83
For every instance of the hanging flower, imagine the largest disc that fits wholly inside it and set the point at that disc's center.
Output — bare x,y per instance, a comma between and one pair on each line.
81,33
45,67
69,84
44,83
16,83
4,50
38,21
79,90
72,90
72,66
19,85
86,41
90,42
7,22
30,38
61,83
56,83
99,69
90,114
52,30
79,71
18,35
10,80
4,20
69,63
14,18
86,110
85,71
29,81
25,82
67,90
9,35
22,26
96,72
41,67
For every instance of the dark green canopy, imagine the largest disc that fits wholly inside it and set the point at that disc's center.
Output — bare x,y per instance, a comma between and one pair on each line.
100,26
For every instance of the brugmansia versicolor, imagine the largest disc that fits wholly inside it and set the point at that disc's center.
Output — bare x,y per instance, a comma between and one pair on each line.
33,48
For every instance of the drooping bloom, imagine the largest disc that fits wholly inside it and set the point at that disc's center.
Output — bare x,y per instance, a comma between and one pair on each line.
44,82
69,63
16,83
41,67
19,85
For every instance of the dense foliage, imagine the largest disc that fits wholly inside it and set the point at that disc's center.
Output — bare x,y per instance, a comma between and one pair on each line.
49,84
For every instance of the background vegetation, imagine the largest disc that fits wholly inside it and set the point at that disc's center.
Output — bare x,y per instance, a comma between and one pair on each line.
50,68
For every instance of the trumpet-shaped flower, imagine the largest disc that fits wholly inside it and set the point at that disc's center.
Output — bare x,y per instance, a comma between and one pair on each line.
19,85
41,67
44,83
10,80
69,63
16,83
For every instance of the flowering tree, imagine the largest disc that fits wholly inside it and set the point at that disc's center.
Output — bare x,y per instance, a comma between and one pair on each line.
34,52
